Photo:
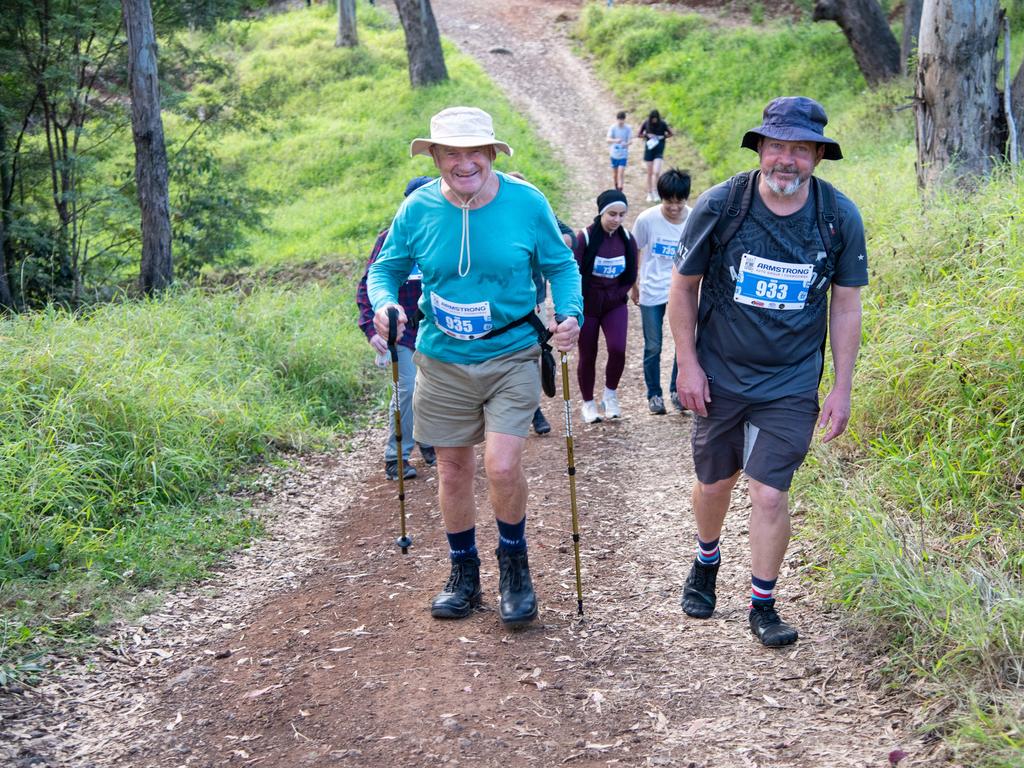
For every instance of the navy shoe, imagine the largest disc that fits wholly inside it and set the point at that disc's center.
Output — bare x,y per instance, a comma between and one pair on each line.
391,470
429,455
540,424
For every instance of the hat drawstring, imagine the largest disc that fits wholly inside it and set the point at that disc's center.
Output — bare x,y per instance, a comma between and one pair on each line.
464,244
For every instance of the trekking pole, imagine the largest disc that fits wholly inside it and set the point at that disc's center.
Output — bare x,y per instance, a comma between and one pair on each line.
402,541
572,473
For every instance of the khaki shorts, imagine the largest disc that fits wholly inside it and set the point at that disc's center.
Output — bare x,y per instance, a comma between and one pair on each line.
456,405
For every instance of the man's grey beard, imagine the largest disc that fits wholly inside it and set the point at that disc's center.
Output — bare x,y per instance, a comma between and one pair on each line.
786,191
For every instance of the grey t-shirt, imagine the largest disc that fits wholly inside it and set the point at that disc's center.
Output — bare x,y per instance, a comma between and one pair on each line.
751,345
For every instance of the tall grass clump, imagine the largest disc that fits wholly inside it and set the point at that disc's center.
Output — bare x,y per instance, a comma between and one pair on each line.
120,423
918,508
330,143
927,532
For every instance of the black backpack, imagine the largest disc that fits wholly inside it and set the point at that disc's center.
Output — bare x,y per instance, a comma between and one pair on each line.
741,194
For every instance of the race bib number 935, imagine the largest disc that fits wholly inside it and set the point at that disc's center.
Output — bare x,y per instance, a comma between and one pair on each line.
461,321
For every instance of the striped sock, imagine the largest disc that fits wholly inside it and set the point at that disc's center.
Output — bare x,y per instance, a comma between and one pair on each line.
462,545
761,590
512,536
708,552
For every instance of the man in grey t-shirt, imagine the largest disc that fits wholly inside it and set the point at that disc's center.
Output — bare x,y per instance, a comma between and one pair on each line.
749,309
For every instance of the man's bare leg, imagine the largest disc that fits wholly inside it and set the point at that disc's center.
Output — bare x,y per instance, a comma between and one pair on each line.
456,468
710,505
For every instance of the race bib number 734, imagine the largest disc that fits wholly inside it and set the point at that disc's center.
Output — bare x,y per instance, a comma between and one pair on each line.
772,284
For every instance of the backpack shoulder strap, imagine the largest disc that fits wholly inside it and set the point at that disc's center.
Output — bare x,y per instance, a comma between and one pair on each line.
737,205
828,216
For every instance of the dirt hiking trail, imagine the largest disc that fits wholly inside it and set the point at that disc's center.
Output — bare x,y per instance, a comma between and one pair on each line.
315,647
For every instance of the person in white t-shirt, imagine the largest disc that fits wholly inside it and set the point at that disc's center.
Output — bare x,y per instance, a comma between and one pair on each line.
619,136
657,231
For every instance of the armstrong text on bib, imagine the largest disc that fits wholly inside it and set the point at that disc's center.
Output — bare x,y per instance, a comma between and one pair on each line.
609,267
462,321
772,284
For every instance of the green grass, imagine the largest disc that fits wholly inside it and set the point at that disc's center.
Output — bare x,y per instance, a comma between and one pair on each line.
332,141
121,424
711,83
919,507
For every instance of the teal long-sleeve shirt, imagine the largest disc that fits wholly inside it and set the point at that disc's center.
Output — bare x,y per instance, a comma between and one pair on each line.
506,237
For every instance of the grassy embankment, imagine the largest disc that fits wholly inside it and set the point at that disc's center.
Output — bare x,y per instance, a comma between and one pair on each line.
122,423
919,506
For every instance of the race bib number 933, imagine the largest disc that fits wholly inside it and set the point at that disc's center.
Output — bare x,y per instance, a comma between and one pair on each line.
772,284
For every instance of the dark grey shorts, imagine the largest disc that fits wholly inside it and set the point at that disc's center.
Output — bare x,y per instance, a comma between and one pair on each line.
768,441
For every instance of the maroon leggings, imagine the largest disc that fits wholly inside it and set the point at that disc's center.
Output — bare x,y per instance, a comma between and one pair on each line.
602,310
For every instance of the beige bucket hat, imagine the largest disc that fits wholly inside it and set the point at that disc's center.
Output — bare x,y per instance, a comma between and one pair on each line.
459,127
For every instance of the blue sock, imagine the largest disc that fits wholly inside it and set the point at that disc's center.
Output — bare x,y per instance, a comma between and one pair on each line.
708,552
761,590
462,545
512,536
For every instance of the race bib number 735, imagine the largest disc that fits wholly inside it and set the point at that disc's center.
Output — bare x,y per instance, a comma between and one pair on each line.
772,284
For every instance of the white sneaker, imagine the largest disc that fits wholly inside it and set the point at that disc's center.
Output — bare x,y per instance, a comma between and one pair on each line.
590,414
611,404
650,197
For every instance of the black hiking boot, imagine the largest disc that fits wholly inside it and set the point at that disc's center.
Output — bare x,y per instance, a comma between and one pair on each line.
461,593
540,424
518,605
699,591
769,628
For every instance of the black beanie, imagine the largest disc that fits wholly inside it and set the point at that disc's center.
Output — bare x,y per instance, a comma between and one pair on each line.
608,197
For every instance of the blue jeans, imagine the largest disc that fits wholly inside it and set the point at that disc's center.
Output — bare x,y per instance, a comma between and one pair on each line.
653,319
406,384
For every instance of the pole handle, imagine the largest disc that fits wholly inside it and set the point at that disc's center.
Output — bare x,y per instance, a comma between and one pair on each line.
393,332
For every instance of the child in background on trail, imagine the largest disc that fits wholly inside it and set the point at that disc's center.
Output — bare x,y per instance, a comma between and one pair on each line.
619,136
607,257
657,231
654,131
541,425
408,295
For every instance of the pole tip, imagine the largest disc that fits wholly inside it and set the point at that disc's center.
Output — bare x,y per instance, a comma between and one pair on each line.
579,606
404,542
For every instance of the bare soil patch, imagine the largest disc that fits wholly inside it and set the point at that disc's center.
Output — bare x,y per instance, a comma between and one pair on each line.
316,648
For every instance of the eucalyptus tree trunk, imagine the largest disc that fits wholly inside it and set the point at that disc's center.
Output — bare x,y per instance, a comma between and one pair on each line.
6,297
867,30
422,42
956,102
347,36
911,30
157,269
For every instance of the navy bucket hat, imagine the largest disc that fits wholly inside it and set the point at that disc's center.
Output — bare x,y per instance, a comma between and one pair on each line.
794,118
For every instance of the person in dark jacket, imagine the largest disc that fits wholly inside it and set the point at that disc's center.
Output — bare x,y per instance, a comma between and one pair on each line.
408,296
607,255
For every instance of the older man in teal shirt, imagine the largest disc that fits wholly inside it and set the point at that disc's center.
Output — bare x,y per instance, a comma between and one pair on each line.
477,236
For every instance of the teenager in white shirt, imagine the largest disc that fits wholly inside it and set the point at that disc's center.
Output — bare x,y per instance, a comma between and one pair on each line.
657,231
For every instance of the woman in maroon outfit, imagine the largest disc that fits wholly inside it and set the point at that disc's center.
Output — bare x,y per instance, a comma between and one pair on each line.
607,255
